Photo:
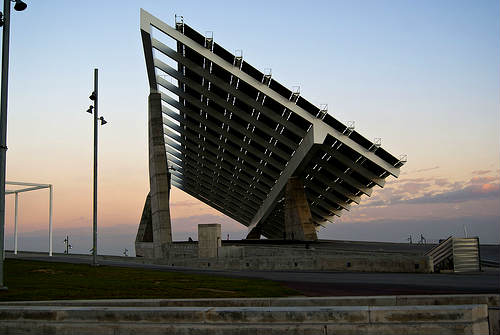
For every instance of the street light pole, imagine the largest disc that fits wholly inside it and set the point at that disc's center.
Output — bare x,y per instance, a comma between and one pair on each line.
94,226
5,22
3,128
93,109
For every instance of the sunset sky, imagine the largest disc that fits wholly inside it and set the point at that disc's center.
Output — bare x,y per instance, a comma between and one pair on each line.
423,76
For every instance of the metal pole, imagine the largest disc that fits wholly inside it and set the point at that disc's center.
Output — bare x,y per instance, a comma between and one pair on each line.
50,220
3,129
94,245
15,223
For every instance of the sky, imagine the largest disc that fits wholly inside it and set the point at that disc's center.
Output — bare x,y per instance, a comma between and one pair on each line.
423,76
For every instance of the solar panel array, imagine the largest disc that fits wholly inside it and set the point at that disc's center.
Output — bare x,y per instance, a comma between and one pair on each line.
234,135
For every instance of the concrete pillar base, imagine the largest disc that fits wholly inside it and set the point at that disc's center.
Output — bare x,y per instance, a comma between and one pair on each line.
209,240
155,226
254,234
298,219
145,231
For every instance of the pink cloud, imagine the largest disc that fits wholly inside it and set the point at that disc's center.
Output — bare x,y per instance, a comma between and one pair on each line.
488,188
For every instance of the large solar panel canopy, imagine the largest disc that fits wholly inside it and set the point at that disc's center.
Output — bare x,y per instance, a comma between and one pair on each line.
234,135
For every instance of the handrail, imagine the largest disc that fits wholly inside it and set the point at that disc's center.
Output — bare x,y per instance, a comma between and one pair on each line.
465,253
442,251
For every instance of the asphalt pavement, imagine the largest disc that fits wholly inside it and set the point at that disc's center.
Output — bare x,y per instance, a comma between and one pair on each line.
325,283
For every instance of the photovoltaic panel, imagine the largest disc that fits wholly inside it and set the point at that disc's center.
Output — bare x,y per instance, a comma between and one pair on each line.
235,135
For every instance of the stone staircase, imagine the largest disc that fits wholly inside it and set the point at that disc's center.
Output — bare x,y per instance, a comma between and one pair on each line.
460,314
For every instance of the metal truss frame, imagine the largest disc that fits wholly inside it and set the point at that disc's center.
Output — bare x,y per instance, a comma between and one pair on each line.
26,188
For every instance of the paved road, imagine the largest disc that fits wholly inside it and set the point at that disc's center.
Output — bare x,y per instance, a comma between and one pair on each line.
327,283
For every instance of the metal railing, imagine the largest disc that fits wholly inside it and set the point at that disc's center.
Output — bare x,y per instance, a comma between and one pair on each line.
490,263
463,254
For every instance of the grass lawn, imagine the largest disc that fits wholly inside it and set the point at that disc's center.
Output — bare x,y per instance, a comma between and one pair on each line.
33,280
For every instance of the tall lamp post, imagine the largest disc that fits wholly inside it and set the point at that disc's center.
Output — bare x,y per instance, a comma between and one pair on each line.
93,110
5,22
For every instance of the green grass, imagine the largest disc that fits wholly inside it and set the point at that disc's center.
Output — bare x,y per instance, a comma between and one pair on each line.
33,280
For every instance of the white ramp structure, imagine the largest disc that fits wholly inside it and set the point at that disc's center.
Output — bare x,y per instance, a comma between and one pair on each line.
236,139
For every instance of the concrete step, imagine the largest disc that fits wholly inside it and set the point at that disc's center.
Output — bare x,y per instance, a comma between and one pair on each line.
54,320
55,328
492,300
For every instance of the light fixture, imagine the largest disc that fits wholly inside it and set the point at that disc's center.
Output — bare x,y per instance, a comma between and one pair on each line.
93,97
103,122
91,108
20,5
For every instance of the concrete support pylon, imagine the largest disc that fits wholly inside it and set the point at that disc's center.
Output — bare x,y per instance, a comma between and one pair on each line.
145,231
158,179
298,219
254,234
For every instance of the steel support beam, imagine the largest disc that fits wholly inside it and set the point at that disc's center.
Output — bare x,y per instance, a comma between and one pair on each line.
237,206
217,206
229,194
215,165
334,199
205,191
235,92
223,166
15,222
216,142
225,118
214,113
346,178
334,185
257,165
210,179
31,187
235,71
354,166
247,100
300,153
34,188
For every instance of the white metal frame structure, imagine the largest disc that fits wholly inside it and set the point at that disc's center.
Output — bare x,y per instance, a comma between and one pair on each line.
234,136
30,187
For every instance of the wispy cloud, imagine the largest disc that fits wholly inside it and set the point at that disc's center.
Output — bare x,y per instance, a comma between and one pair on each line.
436,190
398,230
426,169
413,187
468,193
441,182
482,180
480,172
401,180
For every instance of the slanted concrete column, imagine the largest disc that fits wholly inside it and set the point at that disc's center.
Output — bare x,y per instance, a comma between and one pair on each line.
158,179
298,220
209,240
144,237
254,234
